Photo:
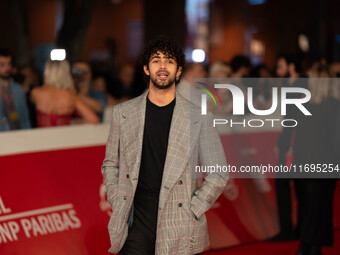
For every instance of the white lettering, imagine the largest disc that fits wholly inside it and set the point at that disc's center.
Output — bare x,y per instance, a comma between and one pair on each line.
297,101
3,208
262,112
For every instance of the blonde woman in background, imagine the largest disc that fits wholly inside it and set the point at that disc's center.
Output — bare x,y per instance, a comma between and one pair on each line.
56,100
220,70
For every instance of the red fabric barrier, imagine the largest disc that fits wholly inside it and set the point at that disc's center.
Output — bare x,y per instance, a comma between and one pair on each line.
70,179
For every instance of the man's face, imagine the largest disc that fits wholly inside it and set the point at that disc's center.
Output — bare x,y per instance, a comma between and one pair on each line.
85,69
162,70
282,68
198,71
245,71
82,81
5,67
126,75
223,72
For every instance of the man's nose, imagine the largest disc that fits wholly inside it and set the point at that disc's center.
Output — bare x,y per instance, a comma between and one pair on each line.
162,65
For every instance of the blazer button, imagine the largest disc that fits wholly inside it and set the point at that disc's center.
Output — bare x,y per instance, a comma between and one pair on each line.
125,197
180,205
180,182
128,176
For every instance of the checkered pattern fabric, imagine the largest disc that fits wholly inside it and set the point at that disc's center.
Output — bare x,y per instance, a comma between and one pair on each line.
181,225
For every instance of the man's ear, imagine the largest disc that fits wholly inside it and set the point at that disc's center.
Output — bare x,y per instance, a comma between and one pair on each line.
179,71
146,70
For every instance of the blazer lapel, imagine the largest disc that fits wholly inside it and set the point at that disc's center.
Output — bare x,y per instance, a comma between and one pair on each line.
181,136
132,136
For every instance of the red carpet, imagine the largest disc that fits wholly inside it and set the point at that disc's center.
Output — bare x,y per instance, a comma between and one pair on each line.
279,248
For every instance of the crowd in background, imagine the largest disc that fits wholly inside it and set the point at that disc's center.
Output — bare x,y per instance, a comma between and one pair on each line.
70,93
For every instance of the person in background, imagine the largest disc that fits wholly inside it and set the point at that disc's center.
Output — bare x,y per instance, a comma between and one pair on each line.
335,68
56,101
262,92
260,71
96,100
99,83
186,88
240,66
287,67
13,108
309,65
220,70
337,135
122,86
314,144
29,78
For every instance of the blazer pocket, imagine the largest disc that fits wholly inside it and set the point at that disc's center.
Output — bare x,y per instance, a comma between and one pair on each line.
193,216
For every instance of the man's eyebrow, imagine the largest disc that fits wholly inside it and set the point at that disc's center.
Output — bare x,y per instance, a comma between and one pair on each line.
157,56
169,57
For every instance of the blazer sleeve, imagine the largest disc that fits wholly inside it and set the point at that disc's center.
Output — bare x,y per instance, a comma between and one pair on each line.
110,167
211,153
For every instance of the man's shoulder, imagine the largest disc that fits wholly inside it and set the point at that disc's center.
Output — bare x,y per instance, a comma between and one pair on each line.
16,87
97,93
194,111
131,103
187,104
183,84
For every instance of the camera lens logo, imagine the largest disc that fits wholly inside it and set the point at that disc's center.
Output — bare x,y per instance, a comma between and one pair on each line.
204,96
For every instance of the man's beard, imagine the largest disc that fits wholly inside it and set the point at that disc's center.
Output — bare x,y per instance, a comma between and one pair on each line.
164,85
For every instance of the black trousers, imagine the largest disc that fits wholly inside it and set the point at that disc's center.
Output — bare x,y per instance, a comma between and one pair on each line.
284,200
317,215
137,243
284,203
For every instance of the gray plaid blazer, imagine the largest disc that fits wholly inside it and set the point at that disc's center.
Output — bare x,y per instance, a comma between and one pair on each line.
181,226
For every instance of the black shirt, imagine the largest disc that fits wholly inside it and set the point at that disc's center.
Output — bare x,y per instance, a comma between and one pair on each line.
155,144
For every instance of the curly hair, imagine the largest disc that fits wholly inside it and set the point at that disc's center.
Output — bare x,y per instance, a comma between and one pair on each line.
165,45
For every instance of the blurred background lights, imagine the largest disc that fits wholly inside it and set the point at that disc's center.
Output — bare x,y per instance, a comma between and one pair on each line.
303,43
256,47
198,55
58,54
256,2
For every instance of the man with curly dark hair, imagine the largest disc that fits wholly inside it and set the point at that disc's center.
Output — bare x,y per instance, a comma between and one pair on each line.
154,144
167,47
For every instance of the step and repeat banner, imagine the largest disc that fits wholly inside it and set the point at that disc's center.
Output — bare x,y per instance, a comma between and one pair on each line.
52,196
